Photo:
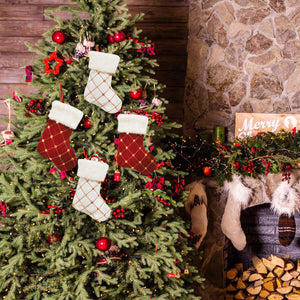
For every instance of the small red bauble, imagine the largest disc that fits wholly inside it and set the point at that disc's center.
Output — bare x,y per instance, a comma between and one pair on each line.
68,61
136,95
110,39
103,244
58,37
86,123
119,37
206,171
53,238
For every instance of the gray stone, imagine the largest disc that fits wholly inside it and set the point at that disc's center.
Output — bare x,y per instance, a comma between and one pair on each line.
277,5
284,29
252,15
284,69
265,86
211,119
265,106
209,3
235,54
222,77
294,16
226,12
218,101
237,93
293,83
267,59
217,31
239,30
256,3
292,50
258,44
295,101
282,105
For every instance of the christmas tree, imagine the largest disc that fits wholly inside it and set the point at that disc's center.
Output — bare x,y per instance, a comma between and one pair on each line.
89,203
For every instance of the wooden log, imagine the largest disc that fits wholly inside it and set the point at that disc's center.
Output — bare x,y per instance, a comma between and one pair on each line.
259,266
268,263
264,293
275,297
255,276
232,273
240,295
287,276
278,261
246,274
284,290
254,290
241,284
294,273
278,271
270,285
292,296
298,265
286,283
250,298
289,265
278,282
231,288
258,282
271,275
295,282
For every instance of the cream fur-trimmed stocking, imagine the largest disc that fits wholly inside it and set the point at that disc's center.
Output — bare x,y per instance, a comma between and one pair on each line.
238,197
196,206
98,90
87,198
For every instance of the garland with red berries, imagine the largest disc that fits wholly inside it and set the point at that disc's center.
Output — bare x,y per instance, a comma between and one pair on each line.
262,154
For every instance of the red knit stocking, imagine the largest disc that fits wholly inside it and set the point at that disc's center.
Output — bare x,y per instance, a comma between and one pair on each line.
132,154
55,145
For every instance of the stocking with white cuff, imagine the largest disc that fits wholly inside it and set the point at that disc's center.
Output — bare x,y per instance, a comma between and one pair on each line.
87,198
98,90
55,141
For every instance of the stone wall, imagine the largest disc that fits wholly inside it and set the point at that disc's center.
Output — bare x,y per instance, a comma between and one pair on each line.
243,56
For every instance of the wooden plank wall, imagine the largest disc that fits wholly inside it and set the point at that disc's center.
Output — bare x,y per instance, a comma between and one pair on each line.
165,23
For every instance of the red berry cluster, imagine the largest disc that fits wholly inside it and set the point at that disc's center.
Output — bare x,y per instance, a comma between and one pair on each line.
221,148
117,37
285,168
159,165
35,106
249,167
155,184
72,193
57,211
162,200
267,165
109,200
154,116
118,213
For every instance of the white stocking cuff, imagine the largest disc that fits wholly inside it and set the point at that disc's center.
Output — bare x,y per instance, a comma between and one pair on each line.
92,170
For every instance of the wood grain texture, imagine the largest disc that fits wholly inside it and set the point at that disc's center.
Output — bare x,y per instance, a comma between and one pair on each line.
165,23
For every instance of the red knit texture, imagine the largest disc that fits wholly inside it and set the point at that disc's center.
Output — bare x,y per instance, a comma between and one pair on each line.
55,145
132,154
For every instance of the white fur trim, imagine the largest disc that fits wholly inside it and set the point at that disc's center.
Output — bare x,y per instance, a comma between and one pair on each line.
65,114
92,170
132,124
103,62
286,200
239,192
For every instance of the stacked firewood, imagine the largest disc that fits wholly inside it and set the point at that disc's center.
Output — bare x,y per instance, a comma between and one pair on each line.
272,278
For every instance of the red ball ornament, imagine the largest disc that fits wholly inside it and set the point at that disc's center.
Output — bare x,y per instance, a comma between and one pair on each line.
86,123
58,37
110,39
136,95
103,244
206,171
68,61
119,37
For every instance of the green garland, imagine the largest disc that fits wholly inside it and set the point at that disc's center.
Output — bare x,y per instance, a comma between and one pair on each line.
264,153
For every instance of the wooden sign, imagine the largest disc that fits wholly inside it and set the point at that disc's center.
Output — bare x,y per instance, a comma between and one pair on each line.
249,124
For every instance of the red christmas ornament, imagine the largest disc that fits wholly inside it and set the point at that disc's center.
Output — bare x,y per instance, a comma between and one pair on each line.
119,37
68,61
58,37
206,171
86,123
53,238
136,95
110,39
103,244
54,57
117,175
